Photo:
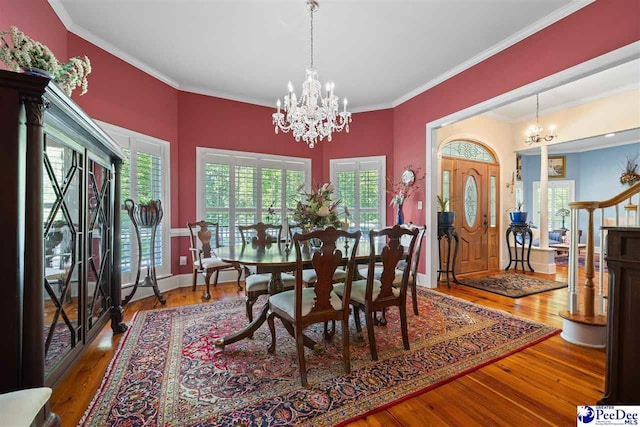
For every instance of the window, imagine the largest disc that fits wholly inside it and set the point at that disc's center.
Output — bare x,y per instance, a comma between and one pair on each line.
467,150
560,193
238,188
144,177
360,186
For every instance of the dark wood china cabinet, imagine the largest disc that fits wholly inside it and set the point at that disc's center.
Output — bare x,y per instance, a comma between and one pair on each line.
59,253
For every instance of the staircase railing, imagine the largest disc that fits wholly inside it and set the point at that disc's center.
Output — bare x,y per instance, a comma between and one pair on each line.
592,306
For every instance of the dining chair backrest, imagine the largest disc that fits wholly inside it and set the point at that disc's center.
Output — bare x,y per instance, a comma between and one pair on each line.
392,252
325,261
413,268
293,229
204,231
258,234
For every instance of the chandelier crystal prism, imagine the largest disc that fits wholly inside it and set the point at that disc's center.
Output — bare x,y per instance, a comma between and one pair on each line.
534,133
312,117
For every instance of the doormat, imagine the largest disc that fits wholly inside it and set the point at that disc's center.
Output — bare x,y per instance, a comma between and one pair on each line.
168,372
513,285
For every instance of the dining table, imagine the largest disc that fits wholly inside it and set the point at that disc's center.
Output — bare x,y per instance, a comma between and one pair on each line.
276,259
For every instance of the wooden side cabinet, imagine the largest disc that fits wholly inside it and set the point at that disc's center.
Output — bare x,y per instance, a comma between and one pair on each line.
622,375
60,252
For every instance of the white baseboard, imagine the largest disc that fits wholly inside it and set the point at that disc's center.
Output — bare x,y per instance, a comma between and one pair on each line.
177,281
423,280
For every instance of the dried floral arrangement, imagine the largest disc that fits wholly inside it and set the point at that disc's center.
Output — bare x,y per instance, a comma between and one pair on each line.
400,190
24,53
630,173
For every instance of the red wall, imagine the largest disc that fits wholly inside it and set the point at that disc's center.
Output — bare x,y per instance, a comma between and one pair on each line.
36,19
370,134
125,96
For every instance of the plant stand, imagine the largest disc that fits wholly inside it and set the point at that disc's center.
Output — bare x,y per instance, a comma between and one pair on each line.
145,216
523,231
451,236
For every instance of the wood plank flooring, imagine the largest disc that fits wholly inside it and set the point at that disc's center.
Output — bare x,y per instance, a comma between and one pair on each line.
541,385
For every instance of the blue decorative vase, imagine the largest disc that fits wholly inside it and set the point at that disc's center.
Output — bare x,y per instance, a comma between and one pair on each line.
400,219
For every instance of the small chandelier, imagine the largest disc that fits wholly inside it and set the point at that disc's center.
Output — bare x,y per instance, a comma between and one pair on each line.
534,133
313,116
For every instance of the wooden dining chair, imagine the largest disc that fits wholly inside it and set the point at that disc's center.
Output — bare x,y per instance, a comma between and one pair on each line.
372,295
413,268
309,275
203,257
260,234
303,306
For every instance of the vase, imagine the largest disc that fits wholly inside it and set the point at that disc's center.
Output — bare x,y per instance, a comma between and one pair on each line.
400,218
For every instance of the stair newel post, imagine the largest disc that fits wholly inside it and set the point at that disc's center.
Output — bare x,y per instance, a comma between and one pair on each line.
600,301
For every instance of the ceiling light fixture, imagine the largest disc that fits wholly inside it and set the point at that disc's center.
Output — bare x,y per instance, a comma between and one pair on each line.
313,116
609,135
534,133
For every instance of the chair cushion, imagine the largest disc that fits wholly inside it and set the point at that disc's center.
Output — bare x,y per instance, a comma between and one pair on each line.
285,301
358,289
260,282
377,272
211,263
19,408
310,276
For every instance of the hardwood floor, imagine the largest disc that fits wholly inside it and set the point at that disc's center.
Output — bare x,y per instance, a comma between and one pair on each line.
541,385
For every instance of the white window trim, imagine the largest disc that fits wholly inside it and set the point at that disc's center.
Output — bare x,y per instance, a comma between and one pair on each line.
550,184
382,161
120,135
243,158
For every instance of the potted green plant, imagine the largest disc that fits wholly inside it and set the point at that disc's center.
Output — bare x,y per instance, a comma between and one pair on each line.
518,216
445,217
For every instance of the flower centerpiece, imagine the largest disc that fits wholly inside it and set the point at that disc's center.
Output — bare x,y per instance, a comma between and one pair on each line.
24,53
319,208
630,173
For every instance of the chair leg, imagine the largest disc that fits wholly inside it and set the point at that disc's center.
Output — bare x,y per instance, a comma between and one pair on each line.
207,280
414,297
370,317
195,280
215,279
403,325
301,361
249,306
272,327
237,266
346,354
356,319
328,334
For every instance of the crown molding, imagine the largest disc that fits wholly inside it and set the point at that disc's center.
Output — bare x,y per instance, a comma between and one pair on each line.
548,20
218,94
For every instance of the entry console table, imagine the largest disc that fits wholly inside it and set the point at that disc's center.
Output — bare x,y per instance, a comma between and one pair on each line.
622,378
520,232
60,255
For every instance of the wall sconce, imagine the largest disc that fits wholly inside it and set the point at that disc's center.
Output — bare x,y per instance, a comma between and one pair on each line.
511,184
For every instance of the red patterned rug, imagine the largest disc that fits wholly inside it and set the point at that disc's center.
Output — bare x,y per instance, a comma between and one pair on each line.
167,371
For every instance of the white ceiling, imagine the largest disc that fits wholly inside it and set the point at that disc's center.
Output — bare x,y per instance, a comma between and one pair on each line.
379,53
622,78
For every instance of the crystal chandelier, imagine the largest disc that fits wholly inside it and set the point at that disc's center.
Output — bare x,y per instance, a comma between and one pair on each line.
534,133
312,116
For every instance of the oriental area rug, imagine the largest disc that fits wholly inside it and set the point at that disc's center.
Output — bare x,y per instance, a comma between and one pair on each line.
514,285
168,372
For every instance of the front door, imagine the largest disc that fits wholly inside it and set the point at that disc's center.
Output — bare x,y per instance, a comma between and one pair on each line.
474,198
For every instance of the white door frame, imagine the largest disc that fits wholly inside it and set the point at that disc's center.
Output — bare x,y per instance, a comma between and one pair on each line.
608,60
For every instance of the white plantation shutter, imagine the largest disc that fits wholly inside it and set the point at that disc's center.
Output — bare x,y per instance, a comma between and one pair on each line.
560,193
144,176
237,188
360,187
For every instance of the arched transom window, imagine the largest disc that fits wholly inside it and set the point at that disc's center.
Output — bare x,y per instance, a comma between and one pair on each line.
468,150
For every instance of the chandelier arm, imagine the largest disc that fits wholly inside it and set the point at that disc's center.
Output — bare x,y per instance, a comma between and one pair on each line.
311,28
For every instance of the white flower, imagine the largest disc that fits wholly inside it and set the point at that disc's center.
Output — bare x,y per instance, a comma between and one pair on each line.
330,187
324,211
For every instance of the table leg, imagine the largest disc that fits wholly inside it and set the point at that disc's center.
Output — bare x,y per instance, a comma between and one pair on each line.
529,251
308,342
245,332
448,236
455,257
